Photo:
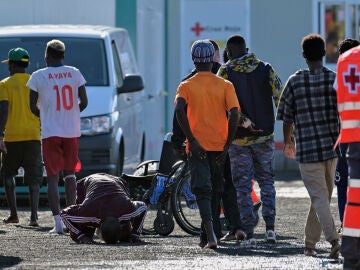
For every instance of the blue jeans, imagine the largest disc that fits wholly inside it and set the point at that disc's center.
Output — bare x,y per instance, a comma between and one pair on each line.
249,162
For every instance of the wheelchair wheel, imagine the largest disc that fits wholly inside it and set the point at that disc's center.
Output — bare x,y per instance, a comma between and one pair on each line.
164,227
184,206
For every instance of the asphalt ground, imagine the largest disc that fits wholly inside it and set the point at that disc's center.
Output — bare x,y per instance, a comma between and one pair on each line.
24,247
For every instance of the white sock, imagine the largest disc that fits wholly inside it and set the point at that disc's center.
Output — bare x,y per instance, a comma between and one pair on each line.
58,223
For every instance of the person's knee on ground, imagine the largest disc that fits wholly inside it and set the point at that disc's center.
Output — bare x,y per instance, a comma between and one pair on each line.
11,199
110,230
70,189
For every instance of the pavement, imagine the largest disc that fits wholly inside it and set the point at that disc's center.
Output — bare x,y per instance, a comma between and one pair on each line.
24,247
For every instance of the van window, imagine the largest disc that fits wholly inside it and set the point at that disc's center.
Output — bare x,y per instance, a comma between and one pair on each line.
88,55
125,51
118,73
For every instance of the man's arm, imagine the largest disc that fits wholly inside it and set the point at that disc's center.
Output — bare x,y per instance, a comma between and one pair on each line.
83,98
137,217
289,141
276,86
182,118
232,125
233,121
194,147
4,106
33,103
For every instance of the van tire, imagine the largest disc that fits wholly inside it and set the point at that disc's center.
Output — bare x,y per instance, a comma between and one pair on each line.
120,162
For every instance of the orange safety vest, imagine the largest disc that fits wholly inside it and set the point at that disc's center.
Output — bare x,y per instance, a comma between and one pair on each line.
351,221
348,95
348,98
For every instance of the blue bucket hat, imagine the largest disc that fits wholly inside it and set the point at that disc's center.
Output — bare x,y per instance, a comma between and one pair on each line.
202,51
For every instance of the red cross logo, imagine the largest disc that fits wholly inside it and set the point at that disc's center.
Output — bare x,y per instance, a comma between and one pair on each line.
352,79
197,29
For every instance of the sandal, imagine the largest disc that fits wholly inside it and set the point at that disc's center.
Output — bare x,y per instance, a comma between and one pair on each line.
33,223
11,219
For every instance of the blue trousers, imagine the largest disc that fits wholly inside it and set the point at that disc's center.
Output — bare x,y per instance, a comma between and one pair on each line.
255,161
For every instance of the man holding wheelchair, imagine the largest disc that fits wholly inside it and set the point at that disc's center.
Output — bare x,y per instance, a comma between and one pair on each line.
209,132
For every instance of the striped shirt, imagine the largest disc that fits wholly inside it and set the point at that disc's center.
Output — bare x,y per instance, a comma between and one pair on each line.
309,102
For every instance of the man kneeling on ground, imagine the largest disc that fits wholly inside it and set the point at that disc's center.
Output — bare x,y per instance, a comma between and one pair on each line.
103,201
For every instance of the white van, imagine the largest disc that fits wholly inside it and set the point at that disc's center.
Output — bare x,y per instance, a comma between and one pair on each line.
112,127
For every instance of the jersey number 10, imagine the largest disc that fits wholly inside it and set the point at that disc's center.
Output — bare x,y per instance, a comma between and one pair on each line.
66,97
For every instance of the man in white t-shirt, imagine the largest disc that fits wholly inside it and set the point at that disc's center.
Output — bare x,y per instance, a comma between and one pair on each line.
61,94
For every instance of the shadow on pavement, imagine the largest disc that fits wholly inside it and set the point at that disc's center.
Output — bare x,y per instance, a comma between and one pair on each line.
8,261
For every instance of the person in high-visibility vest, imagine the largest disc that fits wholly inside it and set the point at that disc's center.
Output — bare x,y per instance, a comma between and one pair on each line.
342,174
348,98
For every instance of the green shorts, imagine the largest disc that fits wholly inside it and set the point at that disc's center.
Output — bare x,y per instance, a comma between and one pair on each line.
26,154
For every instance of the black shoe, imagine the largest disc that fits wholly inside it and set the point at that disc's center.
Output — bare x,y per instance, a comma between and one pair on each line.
335,248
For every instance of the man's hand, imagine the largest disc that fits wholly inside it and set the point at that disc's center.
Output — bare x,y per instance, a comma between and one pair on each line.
221,157
180,153
249,125
86,240
252,129
290,148
134,238
196,149
3,146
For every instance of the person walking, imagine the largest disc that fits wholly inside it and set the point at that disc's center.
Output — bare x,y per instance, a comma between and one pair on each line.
308,104
341,175
252,152
228,197
209,133
348,99
19,136
61,93
103,201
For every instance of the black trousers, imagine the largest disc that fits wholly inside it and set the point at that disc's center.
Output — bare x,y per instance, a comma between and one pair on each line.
207,184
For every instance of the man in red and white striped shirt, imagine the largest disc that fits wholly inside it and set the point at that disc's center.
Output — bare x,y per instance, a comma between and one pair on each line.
100,196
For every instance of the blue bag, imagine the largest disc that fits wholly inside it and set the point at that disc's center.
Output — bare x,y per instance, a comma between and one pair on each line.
159,187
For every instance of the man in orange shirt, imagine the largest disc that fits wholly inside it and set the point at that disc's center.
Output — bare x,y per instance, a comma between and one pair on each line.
209,132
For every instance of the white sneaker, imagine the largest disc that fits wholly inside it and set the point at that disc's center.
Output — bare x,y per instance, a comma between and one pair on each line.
270,236
249,243
57,231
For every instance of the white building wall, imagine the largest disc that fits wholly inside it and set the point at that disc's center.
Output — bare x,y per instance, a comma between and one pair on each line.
17,12
151,62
